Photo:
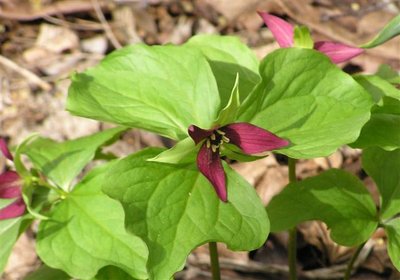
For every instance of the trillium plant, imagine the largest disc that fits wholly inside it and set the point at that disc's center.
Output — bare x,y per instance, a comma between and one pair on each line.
140,216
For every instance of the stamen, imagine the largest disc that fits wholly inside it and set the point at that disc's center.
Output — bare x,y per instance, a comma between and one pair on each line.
213,137
225,139
208,143
214,148
220,132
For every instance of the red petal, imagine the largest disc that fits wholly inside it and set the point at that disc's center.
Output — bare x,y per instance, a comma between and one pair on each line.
4,149
15,209
10,185
337,52
210,166
198,134
282,30
253,139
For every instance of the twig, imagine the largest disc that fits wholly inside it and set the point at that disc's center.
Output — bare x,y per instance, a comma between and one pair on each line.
72,25
110,35
60,7
31,77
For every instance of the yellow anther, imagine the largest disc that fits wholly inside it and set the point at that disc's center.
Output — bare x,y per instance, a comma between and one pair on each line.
214,148
208,143
225,139
220,132
213,137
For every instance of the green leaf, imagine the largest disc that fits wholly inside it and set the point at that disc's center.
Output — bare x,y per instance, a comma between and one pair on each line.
383,167
309,101
302,37
47,273
86,232
389,74
228,56
163,89
377,87
175,209
392,230
390,30
335,197
228,114
183,152
382,130
62,162
112,273
9,232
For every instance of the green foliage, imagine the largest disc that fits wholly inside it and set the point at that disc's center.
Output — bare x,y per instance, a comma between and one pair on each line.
62,162
306,99
384,167
9,232
175,209
228,57
382,130
86,232
392,230
335,197
47,273
163,89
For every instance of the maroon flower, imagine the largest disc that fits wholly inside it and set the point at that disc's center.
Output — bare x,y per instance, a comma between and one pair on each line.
283,33
249,138
10,187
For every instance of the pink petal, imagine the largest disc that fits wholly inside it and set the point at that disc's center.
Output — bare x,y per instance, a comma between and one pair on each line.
198,134
10,185
210,166
253,139
337,52
15,209
282,30
4,149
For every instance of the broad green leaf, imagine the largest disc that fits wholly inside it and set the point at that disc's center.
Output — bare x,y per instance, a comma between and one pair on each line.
112,273
306,99
384,167
228,114
175,209
228,57
335,197
382,129
183,152
388,74
62,162
302,37
391,30
377,87
86,232
392,230
9,232
47,273
163,89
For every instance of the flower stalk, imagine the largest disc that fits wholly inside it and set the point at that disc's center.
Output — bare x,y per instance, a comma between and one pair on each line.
292,245
215,270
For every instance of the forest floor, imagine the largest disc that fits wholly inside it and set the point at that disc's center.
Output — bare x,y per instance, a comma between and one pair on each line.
42,42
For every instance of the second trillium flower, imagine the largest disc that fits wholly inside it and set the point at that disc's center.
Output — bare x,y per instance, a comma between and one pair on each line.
283,32
249,138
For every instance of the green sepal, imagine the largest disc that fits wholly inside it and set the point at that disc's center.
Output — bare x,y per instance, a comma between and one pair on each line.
390,30
302,37
228,114
183,152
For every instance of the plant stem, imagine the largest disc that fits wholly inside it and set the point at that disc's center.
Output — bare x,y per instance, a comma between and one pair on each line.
352,261
292,245
216,274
